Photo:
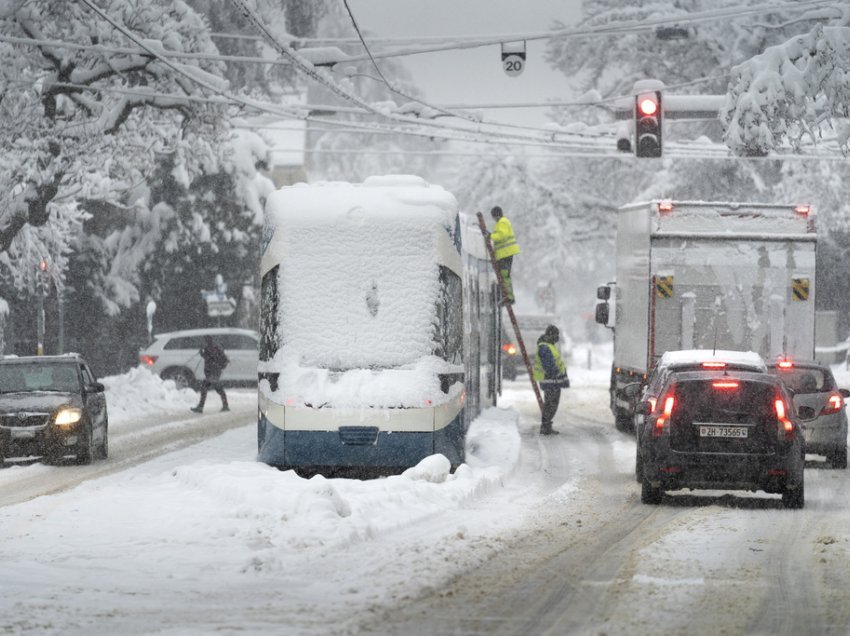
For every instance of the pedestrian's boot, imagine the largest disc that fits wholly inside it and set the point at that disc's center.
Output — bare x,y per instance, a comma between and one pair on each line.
224,406
546,429
197,409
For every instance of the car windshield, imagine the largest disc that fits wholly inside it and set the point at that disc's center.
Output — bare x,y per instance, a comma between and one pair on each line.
807,380
18,377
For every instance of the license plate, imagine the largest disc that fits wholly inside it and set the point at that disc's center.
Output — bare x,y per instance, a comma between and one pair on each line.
23,434
736,432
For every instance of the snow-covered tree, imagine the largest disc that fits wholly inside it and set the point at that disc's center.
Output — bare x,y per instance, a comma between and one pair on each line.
795,91
85,121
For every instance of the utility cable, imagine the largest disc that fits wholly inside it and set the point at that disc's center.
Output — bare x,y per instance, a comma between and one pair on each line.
388,84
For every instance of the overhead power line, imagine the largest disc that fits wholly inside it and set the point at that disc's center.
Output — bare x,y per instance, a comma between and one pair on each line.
611,28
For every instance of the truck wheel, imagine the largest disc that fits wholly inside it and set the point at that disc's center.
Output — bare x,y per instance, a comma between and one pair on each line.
650,494
623,421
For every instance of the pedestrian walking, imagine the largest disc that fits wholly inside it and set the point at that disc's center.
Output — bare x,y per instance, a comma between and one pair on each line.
215,361
505,248
550,373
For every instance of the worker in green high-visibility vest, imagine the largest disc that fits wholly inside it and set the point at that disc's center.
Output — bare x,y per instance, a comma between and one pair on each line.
505,248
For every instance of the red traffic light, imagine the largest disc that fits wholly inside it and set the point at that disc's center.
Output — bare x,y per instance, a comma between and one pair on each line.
647,105
648,112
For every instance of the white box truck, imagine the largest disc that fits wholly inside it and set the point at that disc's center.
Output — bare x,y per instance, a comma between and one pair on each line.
707,275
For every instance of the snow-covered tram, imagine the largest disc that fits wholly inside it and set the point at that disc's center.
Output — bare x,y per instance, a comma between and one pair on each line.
379,331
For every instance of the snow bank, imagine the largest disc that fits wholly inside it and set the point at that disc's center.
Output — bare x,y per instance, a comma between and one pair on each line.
139,392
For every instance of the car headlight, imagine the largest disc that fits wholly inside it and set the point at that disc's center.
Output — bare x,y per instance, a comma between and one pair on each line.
68,416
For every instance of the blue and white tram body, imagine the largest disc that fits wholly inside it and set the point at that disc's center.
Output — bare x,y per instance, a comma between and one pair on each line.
379,331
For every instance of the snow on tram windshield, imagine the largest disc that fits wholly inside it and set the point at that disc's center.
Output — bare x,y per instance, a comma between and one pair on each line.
366,277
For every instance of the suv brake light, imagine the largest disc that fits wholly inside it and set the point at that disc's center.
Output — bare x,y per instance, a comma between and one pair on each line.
785,364
509,348
835,404
713,365
725,384
148,360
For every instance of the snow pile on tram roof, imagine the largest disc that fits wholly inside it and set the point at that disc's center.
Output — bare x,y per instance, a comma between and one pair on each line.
377,199
359,283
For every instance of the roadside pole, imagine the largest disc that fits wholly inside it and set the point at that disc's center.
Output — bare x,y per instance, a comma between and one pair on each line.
489,245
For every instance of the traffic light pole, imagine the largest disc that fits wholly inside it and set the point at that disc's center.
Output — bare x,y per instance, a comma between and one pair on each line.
489,245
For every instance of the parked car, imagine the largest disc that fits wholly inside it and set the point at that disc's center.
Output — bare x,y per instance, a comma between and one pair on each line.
511,357
531,327
52,406
813,384
723,429
176,355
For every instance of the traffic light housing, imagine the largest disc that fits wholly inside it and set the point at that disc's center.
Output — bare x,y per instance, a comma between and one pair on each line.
648,124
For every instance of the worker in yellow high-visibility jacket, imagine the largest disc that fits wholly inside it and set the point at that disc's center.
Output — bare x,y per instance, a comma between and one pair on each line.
550,373
505,248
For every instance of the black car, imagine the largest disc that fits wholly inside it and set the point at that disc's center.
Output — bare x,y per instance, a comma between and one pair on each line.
722,429
51,406
676,362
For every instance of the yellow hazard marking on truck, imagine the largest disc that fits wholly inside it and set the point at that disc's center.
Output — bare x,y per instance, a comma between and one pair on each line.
664,286
800,288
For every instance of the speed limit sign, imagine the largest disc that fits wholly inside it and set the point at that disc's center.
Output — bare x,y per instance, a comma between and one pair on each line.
513,58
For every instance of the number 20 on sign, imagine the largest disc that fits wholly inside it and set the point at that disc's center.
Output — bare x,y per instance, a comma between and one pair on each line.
513,58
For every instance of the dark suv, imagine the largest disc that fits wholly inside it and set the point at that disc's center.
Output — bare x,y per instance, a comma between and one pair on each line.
51,406
723,429
676,362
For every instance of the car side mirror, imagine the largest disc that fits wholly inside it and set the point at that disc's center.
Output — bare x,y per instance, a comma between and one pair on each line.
643,408
844,392
806,413
97,387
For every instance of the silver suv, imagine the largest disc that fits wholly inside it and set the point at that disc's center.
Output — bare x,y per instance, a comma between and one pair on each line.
176,355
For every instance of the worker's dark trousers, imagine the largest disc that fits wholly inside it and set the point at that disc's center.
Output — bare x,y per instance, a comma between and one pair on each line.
505,265
551,398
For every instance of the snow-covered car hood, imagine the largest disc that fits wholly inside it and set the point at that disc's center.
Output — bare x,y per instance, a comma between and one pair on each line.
38,401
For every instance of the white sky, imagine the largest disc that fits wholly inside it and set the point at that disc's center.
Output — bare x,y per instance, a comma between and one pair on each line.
474,75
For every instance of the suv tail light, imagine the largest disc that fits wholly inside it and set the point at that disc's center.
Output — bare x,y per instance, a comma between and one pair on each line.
147,360
834,405
661,423
786,426
725,385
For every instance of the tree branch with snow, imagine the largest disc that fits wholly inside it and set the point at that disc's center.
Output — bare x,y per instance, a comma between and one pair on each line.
792,91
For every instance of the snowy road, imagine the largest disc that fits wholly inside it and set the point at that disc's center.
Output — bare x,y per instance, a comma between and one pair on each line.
540,535
595,560
133,443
